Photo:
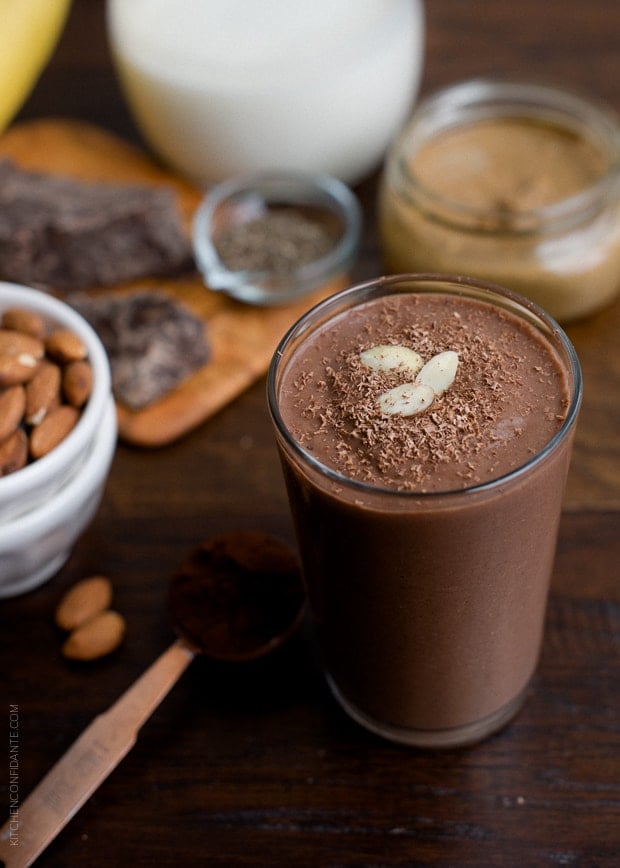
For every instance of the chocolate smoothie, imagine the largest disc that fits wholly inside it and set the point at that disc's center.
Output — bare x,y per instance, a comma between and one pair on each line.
427,534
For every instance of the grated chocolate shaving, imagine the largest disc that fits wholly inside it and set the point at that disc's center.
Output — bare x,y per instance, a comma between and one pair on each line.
505,392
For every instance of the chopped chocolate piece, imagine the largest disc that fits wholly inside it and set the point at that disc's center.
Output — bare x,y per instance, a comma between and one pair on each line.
153,342
63,234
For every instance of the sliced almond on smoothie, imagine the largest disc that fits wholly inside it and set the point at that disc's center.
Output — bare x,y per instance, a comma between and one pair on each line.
387,357
439,372
406,399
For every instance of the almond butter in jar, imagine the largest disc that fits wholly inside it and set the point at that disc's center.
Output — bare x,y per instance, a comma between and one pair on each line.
511,182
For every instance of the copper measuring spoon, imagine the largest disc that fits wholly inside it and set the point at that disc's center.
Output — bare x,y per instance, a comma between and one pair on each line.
238,597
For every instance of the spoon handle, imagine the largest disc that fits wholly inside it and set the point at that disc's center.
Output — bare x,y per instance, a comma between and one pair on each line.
88,762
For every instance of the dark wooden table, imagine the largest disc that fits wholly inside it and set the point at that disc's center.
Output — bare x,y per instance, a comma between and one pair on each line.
257,765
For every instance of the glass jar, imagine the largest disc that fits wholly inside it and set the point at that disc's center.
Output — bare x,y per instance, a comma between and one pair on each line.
512,182
310,210
232,87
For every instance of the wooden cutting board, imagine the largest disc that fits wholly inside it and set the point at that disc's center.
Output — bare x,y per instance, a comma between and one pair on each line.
242,338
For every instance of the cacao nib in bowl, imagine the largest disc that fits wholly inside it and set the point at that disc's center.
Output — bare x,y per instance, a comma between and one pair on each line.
27,488
272,237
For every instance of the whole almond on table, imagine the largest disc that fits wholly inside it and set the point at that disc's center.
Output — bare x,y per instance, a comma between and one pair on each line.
83,601
12,406
98,636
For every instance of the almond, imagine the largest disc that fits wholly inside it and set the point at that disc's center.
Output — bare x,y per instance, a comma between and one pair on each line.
98,636
83,601
77,382
65,346
388,357
439,372
19,356
14,344
42,393
406,400
37,365
13,452
52,430
17,369
12,405
22,320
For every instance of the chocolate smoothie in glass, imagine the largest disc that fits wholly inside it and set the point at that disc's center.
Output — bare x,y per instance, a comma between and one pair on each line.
426,497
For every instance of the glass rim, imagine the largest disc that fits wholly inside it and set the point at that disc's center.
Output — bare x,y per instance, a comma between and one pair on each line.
479,99
516,303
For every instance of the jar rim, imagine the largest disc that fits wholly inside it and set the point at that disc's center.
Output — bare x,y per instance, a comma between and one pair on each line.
480,99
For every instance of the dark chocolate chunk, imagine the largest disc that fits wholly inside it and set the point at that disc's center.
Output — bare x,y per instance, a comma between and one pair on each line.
153,342
62,234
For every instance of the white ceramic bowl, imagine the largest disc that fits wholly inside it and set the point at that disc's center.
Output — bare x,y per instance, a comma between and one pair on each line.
26,489
35,545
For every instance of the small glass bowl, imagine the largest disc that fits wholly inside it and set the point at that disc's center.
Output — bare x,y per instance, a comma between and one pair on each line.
317,199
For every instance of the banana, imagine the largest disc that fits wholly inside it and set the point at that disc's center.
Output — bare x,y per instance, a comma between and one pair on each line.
29,31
